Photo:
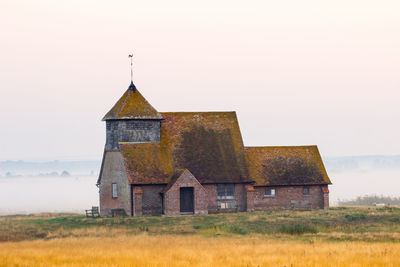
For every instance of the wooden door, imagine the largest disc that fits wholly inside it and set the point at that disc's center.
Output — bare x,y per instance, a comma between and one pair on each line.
187,199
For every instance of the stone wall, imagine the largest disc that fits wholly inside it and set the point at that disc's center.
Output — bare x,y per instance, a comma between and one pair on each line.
131,131
114,172
290,197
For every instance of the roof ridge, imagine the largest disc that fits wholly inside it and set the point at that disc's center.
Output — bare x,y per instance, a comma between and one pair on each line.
295,146
196,112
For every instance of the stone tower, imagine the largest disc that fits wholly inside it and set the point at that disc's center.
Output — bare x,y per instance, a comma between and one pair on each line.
131,120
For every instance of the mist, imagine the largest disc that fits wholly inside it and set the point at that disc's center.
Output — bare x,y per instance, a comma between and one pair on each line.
351,184
25,195
35,187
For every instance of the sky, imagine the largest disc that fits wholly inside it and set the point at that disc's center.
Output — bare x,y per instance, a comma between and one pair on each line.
296,72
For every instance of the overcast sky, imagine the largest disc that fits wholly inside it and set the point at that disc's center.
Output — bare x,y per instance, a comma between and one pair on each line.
296,72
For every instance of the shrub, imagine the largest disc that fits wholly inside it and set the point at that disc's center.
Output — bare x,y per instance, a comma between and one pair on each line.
204,226
297,229
387,209
355,217
338,208
394,219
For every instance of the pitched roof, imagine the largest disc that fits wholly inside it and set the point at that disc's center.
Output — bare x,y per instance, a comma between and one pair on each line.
132,105
291,165
178,174
208,144
147,163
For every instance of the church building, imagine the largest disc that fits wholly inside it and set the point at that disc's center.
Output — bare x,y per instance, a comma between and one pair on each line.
176,163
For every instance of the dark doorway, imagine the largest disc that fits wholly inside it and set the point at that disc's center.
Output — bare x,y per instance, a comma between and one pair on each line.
186,200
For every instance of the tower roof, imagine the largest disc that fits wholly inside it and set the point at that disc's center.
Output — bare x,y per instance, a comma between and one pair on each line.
132,105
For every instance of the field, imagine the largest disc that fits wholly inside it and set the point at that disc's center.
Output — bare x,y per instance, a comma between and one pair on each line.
337,237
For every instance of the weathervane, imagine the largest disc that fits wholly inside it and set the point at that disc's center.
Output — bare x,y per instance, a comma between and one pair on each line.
131,57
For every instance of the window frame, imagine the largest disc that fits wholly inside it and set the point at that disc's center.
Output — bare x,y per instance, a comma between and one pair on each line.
114,190
271,190
227,189
306,191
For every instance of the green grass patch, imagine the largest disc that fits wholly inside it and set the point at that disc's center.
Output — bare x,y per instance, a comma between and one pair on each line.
297,229
346,222
355,217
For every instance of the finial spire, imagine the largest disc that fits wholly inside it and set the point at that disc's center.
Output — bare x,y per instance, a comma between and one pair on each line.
131,58
131,86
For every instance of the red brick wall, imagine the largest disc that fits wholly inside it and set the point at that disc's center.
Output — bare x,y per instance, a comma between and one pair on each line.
241,196
289,197
214,204
148,201
172,196
152,201
325,190
211,190
250,197
137,200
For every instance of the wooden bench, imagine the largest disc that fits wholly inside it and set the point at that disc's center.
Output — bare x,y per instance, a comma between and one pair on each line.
93,212
300,205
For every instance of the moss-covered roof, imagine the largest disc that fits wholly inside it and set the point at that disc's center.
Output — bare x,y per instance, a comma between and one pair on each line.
291,165
132,105
208,144
147,163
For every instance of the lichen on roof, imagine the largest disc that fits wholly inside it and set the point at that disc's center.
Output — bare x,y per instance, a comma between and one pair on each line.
291,165
147,163
208,144
132,105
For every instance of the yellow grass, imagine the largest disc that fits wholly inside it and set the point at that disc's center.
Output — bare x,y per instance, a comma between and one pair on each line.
191,250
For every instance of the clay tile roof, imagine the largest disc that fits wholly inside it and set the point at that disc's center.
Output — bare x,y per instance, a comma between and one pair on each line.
147,163
292,165
208,144
132,105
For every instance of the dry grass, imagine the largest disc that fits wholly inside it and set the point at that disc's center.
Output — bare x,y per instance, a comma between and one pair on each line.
338,237
192,250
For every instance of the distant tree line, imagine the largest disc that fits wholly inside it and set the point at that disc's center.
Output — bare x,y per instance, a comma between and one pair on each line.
47,174
370,200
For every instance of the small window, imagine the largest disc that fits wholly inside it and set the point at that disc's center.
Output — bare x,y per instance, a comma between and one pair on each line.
306,191
269,192
225,191
114,191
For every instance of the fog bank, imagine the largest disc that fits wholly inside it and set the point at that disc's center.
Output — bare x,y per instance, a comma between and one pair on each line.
24,195
30,187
